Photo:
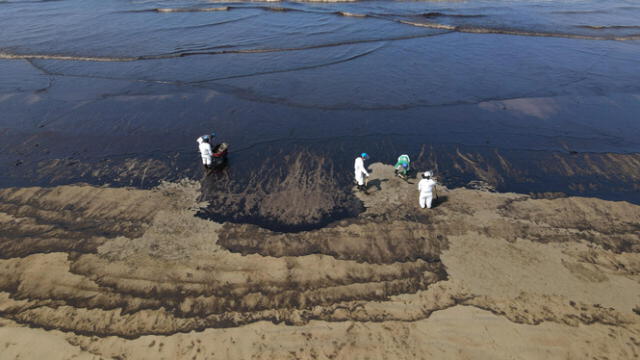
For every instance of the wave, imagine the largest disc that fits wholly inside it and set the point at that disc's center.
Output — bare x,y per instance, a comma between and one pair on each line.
429,25
447,28
348,14
214,9
431,15
516,32
308,67
609,27
221,8
578,12
288,9
182,10
11,56
439,14
269,8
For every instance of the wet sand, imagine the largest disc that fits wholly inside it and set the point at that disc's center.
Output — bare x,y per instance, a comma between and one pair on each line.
100,272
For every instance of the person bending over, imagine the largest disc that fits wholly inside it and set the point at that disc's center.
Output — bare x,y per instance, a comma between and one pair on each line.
402,166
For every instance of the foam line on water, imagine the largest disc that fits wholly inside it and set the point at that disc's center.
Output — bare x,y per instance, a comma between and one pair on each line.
516,32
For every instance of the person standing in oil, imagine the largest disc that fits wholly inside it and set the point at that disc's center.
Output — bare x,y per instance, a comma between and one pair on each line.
204,146
361,171
427,188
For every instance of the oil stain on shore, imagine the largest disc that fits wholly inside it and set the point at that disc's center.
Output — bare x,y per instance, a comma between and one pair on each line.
128,264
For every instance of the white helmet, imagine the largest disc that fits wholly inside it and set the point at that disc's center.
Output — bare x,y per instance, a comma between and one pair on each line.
427,174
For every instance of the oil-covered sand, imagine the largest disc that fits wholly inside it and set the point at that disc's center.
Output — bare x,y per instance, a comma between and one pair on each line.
119,273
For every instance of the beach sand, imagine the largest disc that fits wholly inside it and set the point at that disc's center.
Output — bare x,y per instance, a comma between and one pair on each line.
120,273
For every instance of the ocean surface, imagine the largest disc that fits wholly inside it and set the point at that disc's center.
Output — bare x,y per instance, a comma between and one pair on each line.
526,96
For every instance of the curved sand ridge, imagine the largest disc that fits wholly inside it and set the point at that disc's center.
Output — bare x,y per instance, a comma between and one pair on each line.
135,264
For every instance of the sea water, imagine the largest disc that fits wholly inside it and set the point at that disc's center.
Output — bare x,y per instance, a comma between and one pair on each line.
529,96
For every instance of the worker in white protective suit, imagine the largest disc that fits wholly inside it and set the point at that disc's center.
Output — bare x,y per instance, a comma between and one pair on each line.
204,146
360,171
427,187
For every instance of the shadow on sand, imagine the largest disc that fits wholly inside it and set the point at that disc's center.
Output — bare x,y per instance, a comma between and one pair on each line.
440,200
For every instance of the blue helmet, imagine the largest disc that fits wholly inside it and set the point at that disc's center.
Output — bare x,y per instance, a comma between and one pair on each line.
405,165
364,155
213,134
205,137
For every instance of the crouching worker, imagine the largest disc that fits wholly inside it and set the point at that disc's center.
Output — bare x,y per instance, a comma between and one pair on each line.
402,166
427,187
360,171
204,146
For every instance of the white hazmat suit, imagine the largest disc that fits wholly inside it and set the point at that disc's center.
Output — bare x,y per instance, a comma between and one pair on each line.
426,187
205,151
360,171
